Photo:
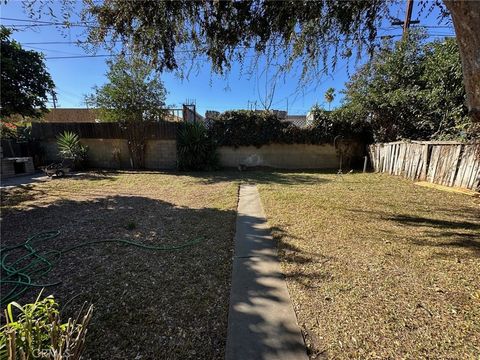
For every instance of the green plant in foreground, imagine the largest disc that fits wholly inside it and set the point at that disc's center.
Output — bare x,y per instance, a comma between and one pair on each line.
37,332
70,147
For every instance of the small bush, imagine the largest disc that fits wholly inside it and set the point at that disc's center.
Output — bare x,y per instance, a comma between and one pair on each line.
37,332
196,149
70,147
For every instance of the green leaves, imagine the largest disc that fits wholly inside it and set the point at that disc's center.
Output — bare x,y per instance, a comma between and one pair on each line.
411,89
244,128
25,81
134,92
196,150
37,332
69,146
303,33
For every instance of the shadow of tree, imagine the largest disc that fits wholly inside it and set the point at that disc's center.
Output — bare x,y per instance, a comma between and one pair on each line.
436,223
18,194
442,233
260,314
286,177
149,303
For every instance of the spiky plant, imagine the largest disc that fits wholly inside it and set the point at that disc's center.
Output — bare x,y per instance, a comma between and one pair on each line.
196,150
69,146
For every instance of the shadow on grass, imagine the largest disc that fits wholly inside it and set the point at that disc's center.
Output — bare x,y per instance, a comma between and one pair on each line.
157,304
95,175
443,233
435,223
264,176
18,194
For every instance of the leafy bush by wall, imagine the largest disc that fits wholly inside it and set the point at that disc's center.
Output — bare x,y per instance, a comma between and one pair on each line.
244,128
196,150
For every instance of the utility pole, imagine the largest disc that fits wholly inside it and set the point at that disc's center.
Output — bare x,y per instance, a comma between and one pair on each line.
54,99
408,17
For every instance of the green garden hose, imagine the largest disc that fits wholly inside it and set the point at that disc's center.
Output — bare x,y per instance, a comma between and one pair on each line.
22,271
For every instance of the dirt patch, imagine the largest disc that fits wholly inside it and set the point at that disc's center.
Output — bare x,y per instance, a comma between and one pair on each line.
148,304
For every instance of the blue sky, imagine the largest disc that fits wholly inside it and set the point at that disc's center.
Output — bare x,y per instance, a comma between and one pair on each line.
75,77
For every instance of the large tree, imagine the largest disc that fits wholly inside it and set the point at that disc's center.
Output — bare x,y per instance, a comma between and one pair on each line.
411,89
25,81
293,32
133,96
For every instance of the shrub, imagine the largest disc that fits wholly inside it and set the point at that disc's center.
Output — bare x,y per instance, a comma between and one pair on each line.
243,128
196,149
70,147
37,332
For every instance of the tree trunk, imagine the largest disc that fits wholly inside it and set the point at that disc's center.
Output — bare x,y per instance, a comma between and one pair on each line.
466,20
136,137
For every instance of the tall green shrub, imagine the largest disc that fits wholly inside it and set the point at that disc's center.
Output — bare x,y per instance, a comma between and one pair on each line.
196,149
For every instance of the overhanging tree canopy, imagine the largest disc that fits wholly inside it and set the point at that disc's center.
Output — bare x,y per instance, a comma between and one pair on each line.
305,32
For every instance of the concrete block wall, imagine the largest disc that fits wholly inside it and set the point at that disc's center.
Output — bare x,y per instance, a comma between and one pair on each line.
283,156
8,169
162,154
114,154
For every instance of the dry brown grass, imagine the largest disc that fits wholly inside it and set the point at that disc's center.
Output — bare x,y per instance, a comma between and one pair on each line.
377,267
148,305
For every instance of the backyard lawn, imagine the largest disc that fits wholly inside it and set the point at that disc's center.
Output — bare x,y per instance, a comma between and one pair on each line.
378,267
148,304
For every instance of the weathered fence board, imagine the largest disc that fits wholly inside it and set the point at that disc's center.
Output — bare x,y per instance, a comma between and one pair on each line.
155,130
446,163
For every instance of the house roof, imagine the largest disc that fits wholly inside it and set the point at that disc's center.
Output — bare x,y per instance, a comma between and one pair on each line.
65,115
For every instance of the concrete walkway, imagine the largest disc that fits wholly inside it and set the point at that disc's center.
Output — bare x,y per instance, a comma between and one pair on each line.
261,319
23,180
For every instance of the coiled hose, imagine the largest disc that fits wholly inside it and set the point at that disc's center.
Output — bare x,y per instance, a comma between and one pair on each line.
39,263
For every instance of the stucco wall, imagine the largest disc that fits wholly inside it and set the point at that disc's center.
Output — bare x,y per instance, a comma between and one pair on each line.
284,156
113,153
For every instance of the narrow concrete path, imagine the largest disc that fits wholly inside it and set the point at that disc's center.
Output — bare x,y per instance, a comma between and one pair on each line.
261,320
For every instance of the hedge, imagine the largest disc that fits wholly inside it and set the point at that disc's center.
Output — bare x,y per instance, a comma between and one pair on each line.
244,128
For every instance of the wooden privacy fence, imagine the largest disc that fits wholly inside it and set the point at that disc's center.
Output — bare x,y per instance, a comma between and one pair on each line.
446,162
164,130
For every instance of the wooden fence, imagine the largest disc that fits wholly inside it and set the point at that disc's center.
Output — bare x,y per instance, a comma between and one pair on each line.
446,162
164,130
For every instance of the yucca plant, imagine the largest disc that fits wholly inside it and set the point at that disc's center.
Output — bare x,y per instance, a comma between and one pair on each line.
196,150
69,146
37,332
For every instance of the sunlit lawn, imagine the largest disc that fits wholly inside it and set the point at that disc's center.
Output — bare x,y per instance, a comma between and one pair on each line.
378,267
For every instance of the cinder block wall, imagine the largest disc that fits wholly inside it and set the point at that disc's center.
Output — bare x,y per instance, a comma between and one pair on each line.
285,156
162,154
114,154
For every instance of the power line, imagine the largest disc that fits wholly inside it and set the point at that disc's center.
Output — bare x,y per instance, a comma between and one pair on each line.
79,56
46,23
